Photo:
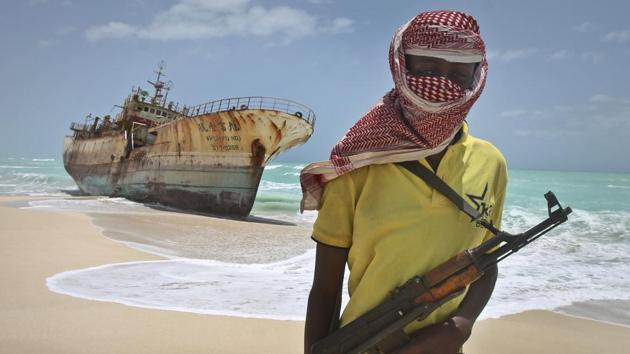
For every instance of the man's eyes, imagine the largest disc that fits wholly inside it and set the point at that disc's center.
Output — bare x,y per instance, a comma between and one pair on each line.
461,76
429,72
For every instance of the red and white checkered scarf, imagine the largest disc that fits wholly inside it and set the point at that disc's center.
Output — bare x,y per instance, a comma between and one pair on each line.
420,116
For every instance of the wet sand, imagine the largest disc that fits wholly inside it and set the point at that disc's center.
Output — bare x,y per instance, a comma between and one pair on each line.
37,244
196,236
547,332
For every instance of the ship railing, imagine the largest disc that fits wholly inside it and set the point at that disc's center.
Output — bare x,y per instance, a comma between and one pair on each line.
170,106
78,126
87,128
254,102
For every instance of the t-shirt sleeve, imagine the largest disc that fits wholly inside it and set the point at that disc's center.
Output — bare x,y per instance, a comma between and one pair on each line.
333,226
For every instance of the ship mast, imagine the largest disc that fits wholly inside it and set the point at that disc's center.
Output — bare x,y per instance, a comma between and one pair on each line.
158,85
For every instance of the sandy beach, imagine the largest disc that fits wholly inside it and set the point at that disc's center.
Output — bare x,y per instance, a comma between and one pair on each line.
38,244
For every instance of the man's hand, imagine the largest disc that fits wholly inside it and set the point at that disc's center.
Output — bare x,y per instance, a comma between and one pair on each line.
448,336
440,338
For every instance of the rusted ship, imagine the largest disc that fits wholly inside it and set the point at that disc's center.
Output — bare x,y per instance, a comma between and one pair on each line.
207,158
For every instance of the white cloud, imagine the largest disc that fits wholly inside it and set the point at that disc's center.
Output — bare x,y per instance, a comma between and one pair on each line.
600,115
563,108
341,25
57,37
585,27
46,43
110,30
604,112
64,30
592,57
492,54
601,98
618,36
513,113
547,134
198,19
510,54
560,55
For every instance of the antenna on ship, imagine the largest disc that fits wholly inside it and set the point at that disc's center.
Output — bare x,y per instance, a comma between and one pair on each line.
158,85
167,87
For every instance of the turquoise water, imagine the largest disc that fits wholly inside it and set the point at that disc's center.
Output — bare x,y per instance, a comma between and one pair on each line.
279,191
584,259
584,190
33,176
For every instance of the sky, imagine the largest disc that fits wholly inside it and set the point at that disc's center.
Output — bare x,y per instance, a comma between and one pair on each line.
557,95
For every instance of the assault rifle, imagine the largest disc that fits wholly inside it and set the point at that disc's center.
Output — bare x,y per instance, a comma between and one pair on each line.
380,330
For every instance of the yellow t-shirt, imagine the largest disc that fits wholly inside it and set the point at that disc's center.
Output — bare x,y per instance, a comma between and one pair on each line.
397,227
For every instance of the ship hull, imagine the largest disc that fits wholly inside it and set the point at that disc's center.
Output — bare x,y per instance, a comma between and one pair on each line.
211,163
220,190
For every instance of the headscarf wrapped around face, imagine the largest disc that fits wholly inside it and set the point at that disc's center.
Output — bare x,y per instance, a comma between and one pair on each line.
420,116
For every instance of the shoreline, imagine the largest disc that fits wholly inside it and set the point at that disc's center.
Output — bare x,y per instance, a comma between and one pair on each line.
221,234
33,319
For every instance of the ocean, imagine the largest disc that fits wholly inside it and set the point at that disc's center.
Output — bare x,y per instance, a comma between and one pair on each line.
263,268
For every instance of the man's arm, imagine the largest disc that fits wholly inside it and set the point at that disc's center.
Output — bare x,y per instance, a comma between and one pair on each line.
330,264
448,336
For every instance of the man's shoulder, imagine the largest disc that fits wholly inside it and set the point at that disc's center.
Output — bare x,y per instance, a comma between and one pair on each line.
481,148
348,180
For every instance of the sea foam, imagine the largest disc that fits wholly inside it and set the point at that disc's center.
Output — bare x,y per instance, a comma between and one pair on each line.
585,260
276,290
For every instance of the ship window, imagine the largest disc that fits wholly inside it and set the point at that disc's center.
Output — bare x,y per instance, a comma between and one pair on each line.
159,113
146,109
152,110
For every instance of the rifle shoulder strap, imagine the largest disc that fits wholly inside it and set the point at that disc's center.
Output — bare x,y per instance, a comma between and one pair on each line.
436,183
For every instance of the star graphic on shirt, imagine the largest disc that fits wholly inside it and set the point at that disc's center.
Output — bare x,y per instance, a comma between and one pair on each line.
478,200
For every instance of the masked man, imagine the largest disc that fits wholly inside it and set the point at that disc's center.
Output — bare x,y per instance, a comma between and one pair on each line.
387,224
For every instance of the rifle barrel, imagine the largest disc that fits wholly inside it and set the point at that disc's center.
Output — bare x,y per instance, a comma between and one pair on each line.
515,242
